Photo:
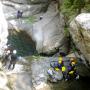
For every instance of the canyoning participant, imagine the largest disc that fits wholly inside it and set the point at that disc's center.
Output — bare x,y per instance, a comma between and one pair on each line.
6,57
60,62
19,14
72,72
13,60
65,73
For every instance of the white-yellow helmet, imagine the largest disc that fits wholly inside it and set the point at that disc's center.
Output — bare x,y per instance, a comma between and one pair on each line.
14,51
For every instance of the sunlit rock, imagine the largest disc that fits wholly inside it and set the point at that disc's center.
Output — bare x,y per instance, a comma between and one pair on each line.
3,30
49,32
80,31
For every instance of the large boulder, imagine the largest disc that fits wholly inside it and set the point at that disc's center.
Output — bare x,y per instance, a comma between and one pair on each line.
80,32
3,30
49,32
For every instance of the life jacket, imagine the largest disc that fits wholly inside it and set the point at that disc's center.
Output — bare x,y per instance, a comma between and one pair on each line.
71,70
13,57
63,68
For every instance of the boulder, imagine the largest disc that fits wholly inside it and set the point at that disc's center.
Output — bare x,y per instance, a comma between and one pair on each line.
49,32
3,30
80,32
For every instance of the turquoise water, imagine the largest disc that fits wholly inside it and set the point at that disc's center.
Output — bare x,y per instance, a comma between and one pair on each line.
22,42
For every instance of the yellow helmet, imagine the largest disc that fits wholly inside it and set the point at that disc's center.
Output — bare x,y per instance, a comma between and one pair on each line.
63,68
57,69
73,61
71,72
60,60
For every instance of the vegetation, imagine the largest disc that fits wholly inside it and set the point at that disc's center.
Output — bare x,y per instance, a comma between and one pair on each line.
71,8
31,19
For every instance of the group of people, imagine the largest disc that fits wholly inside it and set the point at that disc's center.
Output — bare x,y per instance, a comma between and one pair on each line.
69,70
9,57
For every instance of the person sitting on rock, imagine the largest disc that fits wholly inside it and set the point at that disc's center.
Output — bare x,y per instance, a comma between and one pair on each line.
57,64
19,14
72,72
13,60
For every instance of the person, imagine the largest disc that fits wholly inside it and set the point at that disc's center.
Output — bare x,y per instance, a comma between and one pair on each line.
19,14
13,60
6,57
41,17
72,71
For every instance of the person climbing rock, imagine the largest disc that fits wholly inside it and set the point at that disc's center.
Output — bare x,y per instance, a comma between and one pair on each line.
13,60
19,14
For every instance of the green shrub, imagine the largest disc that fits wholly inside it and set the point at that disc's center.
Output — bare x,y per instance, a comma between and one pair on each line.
31,19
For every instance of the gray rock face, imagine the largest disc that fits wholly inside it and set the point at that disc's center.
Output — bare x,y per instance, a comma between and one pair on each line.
39,1
49,32
18,1
80,31
39,70
3,30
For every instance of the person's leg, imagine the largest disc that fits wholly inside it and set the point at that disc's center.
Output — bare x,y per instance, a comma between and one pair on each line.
10,64
13,65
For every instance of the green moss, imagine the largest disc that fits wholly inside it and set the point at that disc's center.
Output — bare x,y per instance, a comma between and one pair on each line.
31,19
66,32
34,57
71,8
87,7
